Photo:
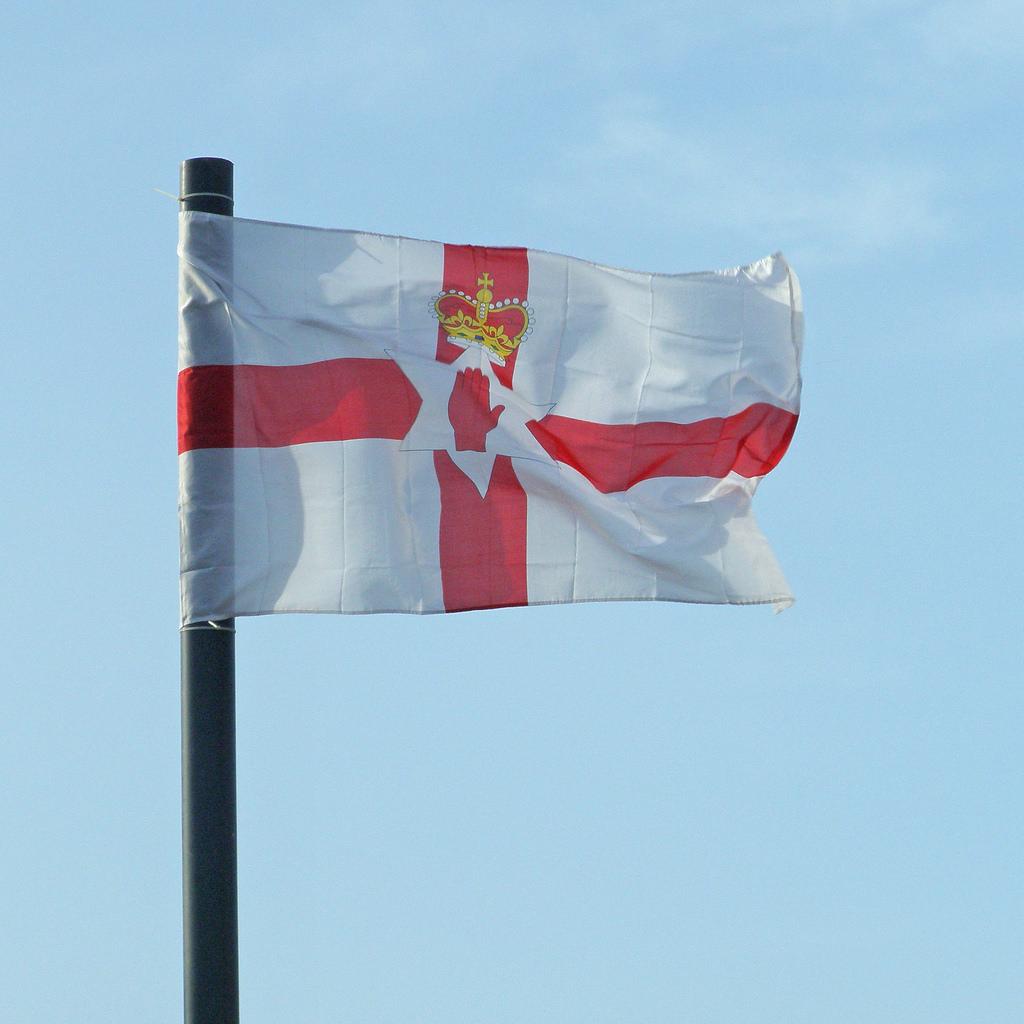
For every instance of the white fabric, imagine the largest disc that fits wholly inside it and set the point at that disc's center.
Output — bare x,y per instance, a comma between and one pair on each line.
353,526
341,527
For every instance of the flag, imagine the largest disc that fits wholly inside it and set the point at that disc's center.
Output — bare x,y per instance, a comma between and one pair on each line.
370,423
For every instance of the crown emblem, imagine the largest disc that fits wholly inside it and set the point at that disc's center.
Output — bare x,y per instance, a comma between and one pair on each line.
498,327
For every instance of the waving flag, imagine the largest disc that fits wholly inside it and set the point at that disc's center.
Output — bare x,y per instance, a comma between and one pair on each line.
379,424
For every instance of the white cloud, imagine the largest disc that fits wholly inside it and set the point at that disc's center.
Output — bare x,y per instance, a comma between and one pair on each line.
827,206
978,32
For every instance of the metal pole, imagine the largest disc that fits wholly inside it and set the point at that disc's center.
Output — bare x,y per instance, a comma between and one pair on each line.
208,814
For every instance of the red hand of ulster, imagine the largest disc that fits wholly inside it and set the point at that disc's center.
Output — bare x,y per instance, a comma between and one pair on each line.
470,412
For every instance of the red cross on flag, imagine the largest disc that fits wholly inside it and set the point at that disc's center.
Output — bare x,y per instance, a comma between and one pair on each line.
370,423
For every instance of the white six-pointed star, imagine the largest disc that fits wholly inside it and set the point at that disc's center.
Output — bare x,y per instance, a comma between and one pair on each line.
433,431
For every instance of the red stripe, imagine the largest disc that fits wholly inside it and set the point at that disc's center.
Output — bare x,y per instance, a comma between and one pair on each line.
464,265
249,406
483,540
614,457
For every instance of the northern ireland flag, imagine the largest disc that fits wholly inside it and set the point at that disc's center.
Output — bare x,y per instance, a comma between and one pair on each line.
370,423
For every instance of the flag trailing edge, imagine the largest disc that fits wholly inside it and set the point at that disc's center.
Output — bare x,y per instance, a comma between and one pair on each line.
370,423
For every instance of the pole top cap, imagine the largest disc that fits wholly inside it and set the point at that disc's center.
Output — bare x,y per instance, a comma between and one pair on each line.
207,184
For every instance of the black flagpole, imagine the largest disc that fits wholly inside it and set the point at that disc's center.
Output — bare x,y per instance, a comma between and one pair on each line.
209,852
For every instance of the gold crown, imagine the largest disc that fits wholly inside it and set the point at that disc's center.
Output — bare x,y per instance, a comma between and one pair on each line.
498,327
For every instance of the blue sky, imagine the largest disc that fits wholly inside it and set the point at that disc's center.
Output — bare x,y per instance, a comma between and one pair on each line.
649,814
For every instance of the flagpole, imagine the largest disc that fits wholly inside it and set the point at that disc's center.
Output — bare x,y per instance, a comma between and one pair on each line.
208,809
